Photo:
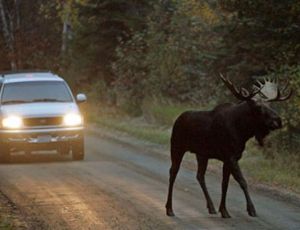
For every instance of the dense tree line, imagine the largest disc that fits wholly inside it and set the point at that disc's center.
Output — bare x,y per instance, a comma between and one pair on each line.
133,50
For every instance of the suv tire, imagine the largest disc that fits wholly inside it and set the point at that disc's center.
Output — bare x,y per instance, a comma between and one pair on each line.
4,153
78,150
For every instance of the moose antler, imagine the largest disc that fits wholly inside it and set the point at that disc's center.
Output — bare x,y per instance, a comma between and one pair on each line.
270,91
241,94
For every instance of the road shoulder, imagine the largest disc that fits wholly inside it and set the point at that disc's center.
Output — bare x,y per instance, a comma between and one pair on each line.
10,216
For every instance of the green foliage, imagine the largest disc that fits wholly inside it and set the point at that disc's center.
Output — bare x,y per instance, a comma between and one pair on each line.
145,132
171,58
282,169
162,112
291,110
260,35
100,25
288,140
34,37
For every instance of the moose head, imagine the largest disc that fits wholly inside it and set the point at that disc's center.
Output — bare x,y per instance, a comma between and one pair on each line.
264,91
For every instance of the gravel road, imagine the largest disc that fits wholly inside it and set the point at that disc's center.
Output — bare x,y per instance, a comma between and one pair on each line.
122,187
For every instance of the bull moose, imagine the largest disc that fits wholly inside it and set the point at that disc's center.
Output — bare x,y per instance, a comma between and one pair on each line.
222,134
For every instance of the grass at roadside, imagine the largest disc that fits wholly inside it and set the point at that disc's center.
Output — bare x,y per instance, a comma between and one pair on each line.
150,133
5,224
163,114
281,172
9,219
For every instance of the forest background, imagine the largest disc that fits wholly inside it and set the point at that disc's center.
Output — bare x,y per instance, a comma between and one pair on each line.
155,58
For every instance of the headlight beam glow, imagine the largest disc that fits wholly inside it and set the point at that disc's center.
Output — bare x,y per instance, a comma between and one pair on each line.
12,122
72,119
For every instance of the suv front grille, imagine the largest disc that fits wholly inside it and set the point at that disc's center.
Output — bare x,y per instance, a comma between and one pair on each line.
42,121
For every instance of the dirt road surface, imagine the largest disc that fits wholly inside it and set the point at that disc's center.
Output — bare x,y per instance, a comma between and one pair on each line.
121,187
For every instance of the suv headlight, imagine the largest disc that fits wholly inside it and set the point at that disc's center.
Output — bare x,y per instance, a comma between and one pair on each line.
72,119
12,122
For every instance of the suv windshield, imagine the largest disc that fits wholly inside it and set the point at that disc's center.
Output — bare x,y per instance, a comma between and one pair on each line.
39,91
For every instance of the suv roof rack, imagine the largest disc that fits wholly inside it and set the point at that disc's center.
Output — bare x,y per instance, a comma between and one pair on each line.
23,71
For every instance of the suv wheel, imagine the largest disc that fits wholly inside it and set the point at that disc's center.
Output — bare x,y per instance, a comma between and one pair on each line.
64,150
4,153
78,150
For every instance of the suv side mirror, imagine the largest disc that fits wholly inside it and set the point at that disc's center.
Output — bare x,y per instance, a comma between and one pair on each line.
80,97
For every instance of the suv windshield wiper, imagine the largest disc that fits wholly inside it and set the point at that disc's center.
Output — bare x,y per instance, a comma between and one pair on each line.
14,102
48,100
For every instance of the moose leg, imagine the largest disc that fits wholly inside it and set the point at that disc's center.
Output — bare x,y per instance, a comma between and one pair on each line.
202,165
226,176
238,176
176,157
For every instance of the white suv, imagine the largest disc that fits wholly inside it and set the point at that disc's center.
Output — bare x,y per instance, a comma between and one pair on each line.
39,112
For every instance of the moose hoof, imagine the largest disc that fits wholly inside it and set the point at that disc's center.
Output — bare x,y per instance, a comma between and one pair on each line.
212,211
252,212
224,213
170,212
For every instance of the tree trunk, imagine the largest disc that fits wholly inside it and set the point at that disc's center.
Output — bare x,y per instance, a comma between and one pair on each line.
66,27
7,29
18,38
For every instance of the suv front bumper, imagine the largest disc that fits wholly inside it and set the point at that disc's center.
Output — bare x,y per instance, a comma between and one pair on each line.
50,138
